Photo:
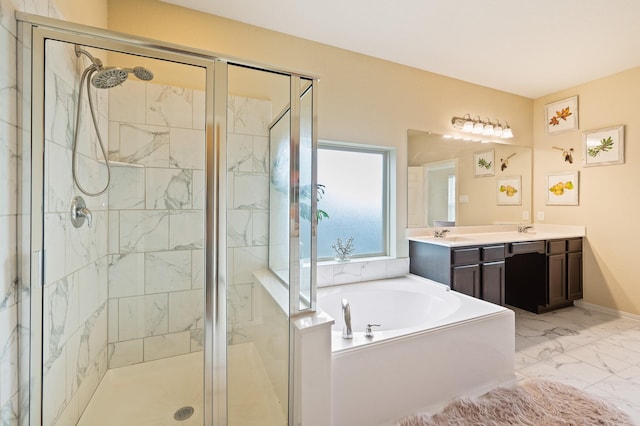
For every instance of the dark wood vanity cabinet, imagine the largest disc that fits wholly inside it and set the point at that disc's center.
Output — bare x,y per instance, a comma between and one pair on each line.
537,276
564,272
474,271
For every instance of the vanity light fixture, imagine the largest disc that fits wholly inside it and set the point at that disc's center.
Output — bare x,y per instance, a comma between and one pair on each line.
485,128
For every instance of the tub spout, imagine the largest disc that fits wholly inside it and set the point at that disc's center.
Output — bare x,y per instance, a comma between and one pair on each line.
346,310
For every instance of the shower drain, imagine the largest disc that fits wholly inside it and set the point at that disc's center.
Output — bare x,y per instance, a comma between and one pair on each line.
183,413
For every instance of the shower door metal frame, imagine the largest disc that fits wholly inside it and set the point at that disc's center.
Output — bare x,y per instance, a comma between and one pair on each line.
33,33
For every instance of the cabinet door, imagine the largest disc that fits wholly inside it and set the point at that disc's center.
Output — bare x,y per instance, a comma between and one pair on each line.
466,279
574,275
557,279
493,282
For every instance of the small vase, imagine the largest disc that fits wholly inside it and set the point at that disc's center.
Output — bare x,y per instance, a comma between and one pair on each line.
344,258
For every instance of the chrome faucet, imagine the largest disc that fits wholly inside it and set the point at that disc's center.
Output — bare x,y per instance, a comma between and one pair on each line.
368,332
440,233
346,311
524,228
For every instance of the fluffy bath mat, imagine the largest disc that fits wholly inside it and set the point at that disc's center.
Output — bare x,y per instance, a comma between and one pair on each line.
531,403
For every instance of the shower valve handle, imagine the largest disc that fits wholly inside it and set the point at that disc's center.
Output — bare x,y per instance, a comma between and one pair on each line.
80,212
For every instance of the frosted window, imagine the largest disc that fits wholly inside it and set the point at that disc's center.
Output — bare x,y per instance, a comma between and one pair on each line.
354,199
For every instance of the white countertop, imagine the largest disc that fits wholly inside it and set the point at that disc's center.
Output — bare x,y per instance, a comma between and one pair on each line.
495,234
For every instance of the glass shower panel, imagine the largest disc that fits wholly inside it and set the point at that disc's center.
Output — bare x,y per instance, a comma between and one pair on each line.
123,311
257,301
309,193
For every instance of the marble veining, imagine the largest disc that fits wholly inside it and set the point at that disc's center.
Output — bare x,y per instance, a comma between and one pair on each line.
169,106
8,169
144,230
168,188
143,144
605,363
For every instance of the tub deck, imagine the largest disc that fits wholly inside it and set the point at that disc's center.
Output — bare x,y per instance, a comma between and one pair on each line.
422,367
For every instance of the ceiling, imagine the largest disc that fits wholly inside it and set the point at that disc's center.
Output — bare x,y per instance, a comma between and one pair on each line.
529,48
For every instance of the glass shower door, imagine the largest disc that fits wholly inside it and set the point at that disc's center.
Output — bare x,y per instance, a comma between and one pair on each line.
257,301
124,264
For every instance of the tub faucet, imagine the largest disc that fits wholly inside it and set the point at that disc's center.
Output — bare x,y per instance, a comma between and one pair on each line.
346,311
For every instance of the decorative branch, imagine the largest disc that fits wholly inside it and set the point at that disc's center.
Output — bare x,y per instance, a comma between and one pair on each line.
566,153
343,251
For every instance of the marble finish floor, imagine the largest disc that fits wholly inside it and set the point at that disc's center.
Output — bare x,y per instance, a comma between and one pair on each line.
590,350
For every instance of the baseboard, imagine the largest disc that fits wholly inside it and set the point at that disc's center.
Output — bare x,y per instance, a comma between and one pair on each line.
614,312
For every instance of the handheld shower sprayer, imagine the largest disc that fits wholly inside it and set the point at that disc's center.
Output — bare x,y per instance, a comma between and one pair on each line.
100,77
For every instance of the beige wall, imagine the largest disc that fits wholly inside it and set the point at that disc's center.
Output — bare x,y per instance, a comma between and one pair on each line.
608,199
87,12
366,100
361,99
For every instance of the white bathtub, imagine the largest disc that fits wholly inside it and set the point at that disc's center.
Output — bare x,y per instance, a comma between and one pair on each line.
433,345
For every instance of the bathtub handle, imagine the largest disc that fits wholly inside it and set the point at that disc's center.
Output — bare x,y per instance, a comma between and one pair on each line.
368,332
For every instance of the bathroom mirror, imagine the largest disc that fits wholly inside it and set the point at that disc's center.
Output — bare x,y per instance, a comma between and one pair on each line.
461,182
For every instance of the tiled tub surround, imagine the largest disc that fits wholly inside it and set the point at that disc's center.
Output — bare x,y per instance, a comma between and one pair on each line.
156,222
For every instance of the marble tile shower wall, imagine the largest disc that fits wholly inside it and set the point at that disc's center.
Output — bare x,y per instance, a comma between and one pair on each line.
248,208
14,295
75,259
156,222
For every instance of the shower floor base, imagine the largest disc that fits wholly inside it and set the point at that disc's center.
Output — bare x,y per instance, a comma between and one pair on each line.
150,393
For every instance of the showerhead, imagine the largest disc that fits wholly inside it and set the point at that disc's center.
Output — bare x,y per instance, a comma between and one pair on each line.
109,77
142,73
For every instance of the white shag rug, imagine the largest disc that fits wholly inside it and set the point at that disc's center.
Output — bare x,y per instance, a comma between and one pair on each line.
531,403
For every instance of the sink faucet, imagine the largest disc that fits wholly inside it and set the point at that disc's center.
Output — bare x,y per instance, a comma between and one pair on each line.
346,310
524,228
440,233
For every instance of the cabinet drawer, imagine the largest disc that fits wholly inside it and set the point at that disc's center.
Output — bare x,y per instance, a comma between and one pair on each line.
467,255
574,245
526,247
556,247
490,253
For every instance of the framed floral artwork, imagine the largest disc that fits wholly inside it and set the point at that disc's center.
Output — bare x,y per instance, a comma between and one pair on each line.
561,116
509,191
603,147
562,189
483,163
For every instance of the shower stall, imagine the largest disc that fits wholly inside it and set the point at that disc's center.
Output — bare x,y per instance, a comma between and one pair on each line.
158,182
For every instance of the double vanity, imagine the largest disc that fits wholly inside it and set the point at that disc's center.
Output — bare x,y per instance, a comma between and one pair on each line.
537,269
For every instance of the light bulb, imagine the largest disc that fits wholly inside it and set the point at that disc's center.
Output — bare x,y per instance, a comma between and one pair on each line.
477,128
507,133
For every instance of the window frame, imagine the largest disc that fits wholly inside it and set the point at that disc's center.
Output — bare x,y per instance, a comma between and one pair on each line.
386,184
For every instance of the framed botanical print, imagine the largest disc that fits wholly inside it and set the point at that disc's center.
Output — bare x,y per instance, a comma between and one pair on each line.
509,191
562,189
604,146
483,163
561,116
